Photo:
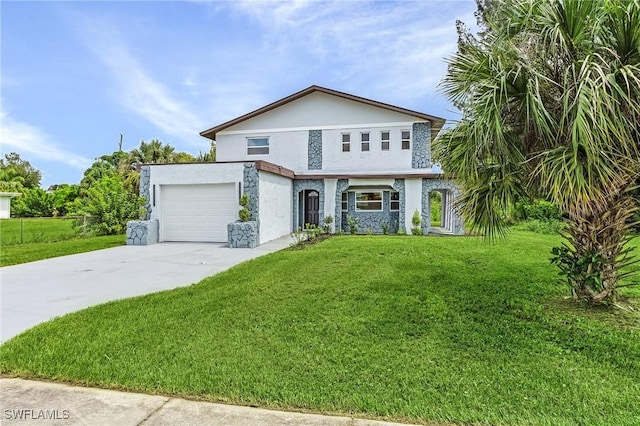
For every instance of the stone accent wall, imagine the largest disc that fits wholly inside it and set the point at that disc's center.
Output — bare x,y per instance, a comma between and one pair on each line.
371,220
145,190
421,146
247,234
398,185
340,188
243,234
315,150
429,185
142,232
252,189
302,185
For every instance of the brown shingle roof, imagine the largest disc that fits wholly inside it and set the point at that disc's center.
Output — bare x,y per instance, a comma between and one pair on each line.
436,122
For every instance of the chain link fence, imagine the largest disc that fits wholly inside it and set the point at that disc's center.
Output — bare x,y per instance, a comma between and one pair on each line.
41,229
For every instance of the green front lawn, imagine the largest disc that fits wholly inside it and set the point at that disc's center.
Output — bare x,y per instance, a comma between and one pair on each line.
36,230
30,252
406,328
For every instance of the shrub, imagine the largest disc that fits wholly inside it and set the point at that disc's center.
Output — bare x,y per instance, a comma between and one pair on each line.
352,222
544,226
328,220
110,206
416,220
244,213
538,209
385,228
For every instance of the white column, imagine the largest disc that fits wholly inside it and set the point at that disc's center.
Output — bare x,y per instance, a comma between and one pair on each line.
412,201
330,186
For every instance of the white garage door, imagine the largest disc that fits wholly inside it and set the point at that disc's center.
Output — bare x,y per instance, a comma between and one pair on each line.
198,212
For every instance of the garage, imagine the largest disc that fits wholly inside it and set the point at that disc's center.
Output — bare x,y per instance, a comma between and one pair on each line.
197,212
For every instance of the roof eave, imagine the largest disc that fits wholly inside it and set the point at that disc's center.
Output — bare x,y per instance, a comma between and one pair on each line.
436,122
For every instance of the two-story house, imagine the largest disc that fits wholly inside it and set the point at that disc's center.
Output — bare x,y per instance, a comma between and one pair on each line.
313,154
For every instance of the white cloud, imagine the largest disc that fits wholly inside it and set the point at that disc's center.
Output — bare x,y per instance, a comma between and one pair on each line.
138,91
27,139
393,48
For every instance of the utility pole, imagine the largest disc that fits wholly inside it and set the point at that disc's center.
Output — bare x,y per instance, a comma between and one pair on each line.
120,144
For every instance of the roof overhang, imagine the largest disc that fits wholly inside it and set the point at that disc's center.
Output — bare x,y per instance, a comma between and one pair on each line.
436,122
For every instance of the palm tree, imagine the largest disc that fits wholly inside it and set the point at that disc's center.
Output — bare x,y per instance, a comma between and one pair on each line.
153,152
550,97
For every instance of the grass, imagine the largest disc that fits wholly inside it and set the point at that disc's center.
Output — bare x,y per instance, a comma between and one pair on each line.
402,328
36,230
23,253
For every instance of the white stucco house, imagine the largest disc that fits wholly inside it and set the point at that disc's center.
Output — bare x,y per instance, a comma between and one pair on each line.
313,154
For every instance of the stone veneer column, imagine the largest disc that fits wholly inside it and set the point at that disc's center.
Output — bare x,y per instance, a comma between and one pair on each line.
421,146
340,187
145,183
252,189
398,185
315,150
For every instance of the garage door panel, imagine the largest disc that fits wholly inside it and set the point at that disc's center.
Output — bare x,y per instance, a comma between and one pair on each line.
198,212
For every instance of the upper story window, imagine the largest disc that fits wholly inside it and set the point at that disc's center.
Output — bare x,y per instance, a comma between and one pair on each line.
369,201
384,141
345,201
346,142
406,139
395,201
257,146
364,139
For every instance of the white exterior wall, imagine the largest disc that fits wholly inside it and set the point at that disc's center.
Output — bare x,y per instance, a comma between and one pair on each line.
330,186
274,206
412,200
356,160
286,148
190,174
5,207
288,130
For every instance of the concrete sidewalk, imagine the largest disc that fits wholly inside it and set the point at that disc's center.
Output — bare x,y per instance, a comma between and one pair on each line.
26,402
35,292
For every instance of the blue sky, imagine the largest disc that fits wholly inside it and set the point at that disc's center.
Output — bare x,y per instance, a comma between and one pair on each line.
75,75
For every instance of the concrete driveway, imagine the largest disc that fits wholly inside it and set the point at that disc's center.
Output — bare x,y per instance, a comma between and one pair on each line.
35,292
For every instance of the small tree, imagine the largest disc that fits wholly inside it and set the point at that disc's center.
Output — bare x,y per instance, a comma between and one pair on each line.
416,220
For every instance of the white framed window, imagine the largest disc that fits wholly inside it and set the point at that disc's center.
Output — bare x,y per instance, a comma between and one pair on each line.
345,201
384,140
346,142
369,201
406,139
394,203
364,139
257,146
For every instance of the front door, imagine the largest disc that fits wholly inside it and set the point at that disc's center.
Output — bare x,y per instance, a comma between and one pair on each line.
311,207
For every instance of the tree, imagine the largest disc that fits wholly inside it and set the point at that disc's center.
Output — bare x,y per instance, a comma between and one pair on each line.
550,97
207,157
30,175
183,157
154,152
110,205
11,180
34,202
63,196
